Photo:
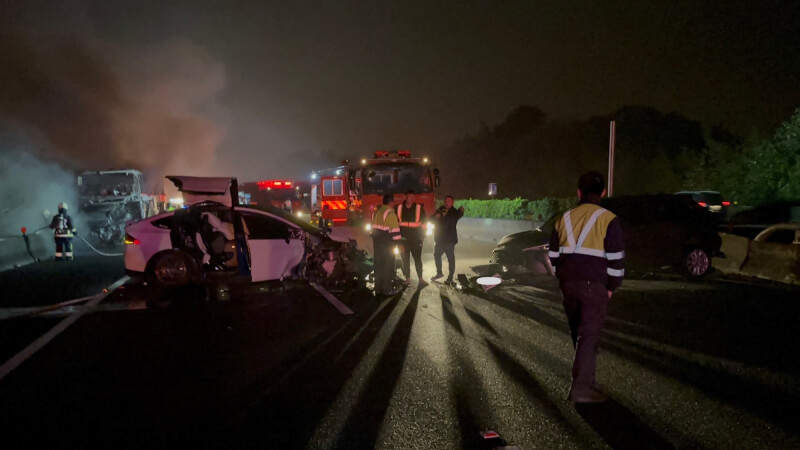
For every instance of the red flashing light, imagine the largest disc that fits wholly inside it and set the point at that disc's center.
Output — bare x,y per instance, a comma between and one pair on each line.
382,154
703,204
726,203
339,220
273,184
404,153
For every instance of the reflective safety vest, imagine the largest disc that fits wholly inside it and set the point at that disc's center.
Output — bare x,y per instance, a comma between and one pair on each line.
416,223
384,222
582,231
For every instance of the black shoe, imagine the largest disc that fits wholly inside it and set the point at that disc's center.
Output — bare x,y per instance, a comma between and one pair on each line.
437,276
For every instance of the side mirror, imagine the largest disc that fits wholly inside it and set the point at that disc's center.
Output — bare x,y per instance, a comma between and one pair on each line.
351,180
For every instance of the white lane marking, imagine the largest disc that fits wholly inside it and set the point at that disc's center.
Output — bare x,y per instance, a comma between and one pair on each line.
38,344
341,307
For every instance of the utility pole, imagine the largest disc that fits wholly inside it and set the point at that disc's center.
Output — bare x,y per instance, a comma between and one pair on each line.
612,138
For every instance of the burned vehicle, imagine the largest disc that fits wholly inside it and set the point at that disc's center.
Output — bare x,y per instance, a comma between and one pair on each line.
213,238
109,199
660,231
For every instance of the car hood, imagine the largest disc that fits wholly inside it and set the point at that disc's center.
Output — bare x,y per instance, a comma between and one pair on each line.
525,239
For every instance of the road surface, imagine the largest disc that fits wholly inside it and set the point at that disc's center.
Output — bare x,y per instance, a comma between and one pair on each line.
710,364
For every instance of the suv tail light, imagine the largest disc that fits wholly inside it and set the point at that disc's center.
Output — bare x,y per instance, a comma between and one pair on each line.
726,203
703,204
130,240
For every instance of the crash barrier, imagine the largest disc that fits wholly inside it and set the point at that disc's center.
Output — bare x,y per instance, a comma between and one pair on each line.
491,230
15,252
773,261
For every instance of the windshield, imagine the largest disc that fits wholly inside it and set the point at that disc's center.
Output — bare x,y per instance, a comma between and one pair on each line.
396,179
117,184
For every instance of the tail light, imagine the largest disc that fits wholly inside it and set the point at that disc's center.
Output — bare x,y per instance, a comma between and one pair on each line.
703,204
130,240
726,203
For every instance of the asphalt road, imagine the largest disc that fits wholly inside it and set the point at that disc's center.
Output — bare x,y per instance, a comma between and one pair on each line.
711,364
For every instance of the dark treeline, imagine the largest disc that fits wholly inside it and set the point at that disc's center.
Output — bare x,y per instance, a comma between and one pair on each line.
531,156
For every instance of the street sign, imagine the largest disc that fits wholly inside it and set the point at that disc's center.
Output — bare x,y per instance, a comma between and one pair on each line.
493,189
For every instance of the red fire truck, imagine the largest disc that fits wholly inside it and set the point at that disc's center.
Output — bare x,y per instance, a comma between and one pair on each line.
350,193
281,194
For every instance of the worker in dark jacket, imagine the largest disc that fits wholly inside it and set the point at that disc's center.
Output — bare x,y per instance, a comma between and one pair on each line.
412,229
385,236
64,232
587,251
445,237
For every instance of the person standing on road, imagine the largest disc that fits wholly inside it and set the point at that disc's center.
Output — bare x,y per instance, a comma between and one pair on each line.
445,237
412,229
587,251
64,232
385,235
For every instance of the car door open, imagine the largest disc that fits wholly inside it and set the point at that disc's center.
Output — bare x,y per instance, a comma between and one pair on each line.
276,247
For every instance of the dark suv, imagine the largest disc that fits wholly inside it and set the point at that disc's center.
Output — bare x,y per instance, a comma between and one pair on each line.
660,230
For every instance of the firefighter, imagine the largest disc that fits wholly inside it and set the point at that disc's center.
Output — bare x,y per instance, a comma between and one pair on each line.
587,251
412,229
385,235
64,232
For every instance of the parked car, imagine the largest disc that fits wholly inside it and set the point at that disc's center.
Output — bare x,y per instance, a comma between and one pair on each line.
660,230
751,222
215,238
711,200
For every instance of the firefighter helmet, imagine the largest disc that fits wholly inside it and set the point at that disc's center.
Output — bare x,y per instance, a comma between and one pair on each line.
62,205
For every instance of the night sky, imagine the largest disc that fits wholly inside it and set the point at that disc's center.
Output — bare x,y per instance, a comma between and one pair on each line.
281,82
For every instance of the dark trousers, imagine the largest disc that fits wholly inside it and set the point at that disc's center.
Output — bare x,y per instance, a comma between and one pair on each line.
63,248
383,264
585,304
450,251
412,247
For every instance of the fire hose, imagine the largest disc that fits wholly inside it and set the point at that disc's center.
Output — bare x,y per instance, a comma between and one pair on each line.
87,243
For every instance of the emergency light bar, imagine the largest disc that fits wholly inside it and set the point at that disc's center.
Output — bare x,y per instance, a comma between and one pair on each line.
273,184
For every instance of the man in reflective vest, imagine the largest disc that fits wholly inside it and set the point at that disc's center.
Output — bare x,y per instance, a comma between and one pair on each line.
64,232
385,236
412,229
587,251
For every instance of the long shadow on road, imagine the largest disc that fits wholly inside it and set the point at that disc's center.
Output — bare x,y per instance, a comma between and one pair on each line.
620,428
366,418
287,414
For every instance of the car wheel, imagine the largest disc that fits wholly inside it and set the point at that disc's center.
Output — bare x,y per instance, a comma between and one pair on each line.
696,263
171,269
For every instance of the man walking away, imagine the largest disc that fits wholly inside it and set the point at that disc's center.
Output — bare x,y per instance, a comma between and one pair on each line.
385,235
64,232
412,229
445,237
587,251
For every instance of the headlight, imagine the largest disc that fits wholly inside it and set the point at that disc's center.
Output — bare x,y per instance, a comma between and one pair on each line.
429,230
299,213
396,250
368,227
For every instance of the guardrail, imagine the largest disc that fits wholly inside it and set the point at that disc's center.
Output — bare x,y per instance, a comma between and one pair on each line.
15,251
491,230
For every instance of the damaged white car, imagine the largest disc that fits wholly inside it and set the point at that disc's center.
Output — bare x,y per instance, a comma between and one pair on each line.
213,238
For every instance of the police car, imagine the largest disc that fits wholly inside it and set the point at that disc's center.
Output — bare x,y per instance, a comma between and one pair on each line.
213,237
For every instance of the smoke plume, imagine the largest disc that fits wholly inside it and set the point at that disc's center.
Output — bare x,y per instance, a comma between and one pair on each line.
89,104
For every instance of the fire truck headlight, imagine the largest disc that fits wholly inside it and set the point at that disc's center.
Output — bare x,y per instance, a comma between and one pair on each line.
425,160
299,213
364,161
396,250
368,227
429,230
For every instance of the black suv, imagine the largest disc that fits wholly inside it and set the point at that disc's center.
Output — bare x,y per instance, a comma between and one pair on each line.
660,230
